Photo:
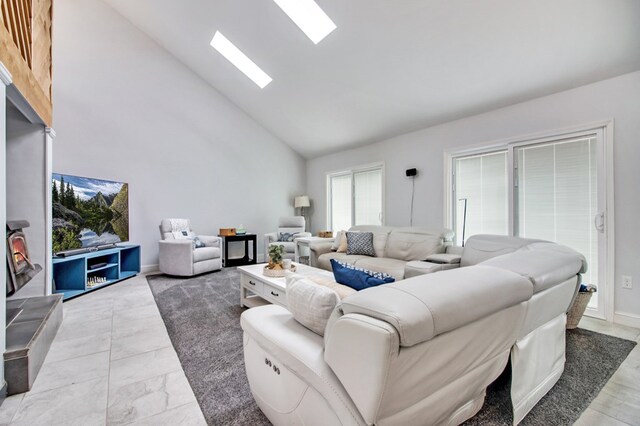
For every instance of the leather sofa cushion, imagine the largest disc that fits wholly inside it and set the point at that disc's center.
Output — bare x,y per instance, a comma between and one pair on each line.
386,265
423,307
544,264
205,253
324,260
414,245
479,248
380,243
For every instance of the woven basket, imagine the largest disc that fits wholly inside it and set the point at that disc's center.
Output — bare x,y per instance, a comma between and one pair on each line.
277,273
577,309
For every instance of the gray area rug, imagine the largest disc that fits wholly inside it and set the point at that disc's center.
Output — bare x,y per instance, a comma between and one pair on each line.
202,317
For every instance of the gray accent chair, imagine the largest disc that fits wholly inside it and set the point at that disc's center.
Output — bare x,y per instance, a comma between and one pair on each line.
179,257
292,225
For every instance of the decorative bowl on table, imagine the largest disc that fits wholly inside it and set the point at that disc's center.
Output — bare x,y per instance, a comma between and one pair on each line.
276,272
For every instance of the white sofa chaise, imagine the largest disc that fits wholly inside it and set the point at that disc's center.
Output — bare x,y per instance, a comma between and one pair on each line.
394,248
423,350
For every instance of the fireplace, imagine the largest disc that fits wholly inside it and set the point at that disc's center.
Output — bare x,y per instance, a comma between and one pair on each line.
20,269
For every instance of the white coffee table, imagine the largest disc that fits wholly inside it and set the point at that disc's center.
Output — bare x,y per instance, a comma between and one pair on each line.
300,242
257,289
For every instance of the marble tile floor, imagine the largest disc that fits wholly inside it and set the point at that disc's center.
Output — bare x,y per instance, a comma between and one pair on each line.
112,363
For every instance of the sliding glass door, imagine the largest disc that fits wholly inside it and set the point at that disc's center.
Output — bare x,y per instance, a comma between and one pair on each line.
556,196
552,188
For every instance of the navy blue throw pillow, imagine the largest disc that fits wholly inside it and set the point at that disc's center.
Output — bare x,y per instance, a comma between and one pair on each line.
358,278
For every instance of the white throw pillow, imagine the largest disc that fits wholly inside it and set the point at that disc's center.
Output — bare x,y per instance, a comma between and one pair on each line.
337,239
311,304
183,235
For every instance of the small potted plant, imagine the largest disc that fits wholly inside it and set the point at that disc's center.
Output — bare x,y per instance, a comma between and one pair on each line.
275,268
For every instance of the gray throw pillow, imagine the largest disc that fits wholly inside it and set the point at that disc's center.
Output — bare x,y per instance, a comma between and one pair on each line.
360,243
197,242
286,237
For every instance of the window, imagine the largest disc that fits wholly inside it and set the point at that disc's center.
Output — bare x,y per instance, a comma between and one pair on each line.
355,197
480,194
552,188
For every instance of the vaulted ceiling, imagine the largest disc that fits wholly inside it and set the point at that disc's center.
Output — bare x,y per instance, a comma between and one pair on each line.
393,66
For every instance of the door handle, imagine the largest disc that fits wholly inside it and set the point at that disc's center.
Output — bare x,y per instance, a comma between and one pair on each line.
598,222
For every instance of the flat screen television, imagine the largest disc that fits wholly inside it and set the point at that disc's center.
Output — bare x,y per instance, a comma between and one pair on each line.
88,212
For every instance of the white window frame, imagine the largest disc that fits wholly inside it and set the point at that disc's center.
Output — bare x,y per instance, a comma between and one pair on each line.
605,130
351,171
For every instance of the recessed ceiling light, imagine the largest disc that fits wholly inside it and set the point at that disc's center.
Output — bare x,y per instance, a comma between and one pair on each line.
240,60
309,17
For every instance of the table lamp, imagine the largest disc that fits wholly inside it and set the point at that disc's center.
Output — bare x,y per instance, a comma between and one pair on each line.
301,202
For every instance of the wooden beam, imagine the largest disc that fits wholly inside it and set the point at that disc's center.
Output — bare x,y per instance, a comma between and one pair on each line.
41,48
23,77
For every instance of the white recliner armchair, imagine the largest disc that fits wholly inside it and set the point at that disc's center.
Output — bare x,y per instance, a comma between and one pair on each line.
293,226
421,351
179,256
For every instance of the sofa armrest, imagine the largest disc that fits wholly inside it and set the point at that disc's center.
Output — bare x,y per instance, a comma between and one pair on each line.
444,258
317,249
211,241
302,235
360,350
176,257
454,250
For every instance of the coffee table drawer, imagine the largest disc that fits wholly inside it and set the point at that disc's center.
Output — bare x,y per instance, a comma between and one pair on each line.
252,284
274,294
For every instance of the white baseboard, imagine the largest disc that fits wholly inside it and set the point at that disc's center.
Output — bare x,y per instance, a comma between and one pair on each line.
625,318
145,269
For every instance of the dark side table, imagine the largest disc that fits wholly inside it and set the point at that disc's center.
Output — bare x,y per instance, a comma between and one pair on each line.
239,261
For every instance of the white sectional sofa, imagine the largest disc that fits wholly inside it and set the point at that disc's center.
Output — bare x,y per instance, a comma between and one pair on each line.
394,247
421,351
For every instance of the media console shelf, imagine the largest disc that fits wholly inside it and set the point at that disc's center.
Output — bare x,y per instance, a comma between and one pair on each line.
78,274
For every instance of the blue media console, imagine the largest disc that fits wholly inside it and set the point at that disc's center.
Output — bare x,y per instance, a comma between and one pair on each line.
76,275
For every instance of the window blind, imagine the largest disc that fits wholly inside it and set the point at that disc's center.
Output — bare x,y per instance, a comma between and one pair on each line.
557,196
368,197
340,187
481,180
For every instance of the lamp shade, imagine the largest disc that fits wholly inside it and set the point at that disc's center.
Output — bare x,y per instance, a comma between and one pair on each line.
301,201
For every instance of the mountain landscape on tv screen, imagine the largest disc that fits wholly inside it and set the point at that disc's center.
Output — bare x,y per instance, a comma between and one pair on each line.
88,212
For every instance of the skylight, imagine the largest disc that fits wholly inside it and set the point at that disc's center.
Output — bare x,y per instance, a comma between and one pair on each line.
240,60
309,17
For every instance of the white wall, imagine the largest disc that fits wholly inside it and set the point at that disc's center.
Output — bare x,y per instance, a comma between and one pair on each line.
26,190
4,81
126,110
617,98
